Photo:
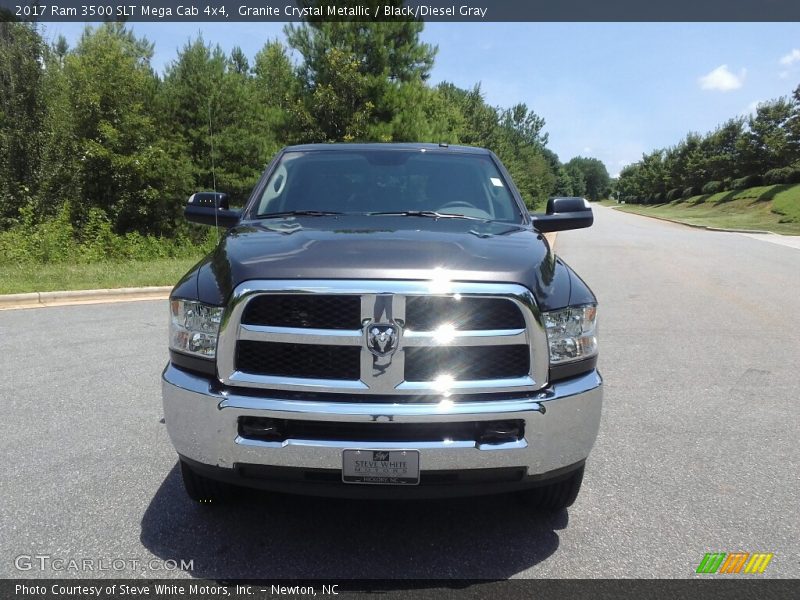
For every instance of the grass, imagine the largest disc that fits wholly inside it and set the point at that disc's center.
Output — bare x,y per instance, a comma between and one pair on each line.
19,278
773,208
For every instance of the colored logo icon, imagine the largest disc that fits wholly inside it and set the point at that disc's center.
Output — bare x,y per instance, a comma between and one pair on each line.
733,563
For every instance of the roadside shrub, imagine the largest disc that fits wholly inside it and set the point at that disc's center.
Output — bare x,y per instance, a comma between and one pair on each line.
29,241
690,191
99,241
57,241
782,175
658,198
727,184
712,187
747,181
774,176
674,194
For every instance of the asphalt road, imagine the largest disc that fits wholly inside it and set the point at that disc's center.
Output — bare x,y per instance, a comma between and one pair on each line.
698,449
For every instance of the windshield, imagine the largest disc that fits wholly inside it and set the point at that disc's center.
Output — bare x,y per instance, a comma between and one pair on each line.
388,181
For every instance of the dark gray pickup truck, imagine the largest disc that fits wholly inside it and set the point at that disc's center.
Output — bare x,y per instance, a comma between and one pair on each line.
384,320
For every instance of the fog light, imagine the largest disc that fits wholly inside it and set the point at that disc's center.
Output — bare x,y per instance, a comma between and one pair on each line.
501,433
265,429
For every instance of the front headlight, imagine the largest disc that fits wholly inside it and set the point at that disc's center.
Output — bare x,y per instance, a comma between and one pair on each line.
571,333
193,327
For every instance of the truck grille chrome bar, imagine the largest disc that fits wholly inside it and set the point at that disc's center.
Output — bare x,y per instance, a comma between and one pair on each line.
471,350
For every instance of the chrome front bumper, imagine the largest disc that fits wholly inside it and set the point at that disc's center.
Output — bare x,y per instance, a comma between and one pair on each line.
561,424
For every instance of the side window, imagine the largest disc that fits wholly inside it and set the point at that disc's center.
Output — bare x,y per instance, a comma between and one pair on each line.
271,198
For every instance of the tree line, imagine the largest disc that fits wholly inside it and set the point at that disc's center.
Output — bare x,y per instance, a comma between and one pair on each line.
94,137
760,149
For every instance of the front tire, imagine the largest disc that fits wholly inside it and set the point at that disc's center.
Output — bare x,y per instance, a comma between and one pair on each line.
555,496
202,489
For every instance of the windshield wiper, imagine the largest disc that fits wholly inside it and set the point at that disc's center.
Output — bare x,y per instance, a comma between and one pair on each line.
300,213
425,213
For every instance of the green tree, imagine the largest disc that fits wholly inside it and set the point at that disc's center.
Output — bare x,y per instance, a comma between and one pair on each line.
766,144
244,136
519,142
190,97
238,63
211,103
60,170
723,158
793,129
22,110
569,182
385,49
359,77
445,120
278,88
524,125
126,168
594,175
477,122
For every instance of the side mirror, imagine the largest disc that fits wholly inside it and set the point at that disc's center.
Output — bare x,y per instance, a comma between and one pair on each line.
211,208
563,214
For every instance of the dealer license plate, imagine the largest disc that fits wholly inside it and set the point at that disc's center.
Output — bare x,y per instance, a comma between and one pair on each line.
381,467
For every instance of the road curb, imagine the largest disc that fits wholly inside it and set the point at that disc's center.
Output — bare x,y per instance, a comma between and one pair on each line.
62,298
706,227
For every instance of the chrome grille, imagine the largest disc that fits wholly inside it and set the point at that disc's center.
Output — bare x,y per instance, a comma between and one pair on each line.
451,337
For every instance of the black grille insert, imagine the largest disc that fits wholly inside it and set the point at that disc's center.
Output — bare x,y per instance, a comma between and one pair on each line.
279,430
426,313
467,362
315,311
298,360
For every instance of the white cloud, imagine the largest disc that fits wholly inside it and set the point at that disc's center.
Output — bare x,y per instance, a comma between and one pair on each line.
587,149
783,75
791,58
722,79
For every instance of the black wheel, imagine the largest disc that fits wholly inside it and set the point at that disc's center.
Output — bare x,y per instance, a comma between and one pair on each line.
555,496
204,490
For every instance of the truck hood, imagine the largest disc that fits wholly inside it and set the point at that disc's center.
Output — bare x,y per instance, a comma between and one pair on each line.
386,247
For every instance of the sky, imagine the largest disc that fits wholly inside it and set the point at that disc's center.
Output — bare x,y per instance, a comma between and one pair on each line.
607,90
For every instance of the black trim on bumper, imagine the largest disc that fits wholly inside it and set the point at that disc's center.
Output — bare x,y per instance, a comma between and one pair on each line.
433,484
193,364
482,432
561,372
